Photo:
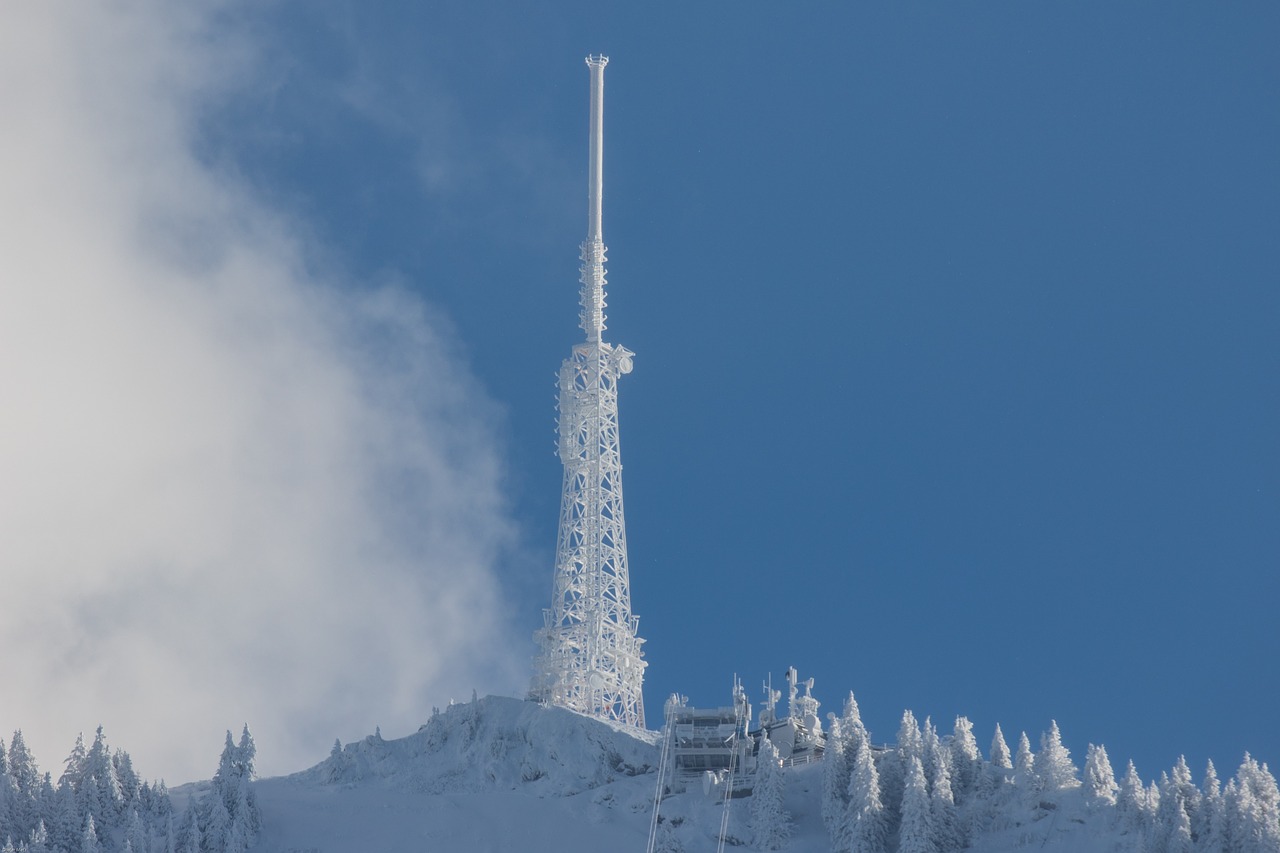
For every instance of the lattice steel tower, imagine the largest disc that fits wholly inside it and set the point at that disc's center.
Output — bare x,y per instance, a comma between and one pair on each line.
590,659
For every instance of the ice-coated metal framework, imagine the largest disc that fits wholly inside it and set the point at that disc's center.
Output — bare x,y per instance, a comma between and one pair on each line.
589,655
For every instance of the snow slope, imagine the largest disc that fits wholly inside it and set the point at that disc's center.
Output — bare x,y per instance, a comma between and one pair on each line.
496,774
501,774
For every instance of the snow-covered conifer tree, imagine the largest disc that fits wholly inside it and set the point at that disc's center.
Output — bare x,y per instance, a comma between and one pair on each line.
89,842
1207,826
893,771
1151,804
38,841
851,718
337,763
1132,801
916,834
105,800
74,765
130,784
935,758
135,832
770,823
188,838
1099,779
1053,763
865,827
1166,832
1024,770
162,837
1178,839
230,809
910,740
1000,751
64,820
1230,815
947,832
21,788
22,766
1253,810
247,801
966,760
835,777
215,825
1188,793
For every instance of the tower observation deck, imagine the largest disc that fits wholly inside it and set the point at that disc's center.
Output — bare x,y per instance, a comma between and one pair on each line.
589,657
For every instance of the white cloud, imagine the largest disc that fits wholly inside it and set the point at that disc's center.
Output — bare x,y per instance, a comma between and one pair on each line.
230,490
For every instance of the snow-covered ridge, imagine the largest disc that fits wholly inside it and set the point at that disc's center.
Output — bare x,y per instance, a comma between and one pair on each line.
495,744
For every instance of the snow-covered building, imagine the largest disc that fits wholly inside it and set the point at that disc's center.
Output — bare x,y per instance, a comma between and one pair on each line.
715,747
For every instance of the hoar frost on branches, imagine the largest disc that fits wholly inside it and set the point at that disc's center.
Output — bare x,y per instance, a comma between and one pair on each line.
1099,779
1053,765
770,823
99,801
864,826
835,776
1000,751
916,833
227,817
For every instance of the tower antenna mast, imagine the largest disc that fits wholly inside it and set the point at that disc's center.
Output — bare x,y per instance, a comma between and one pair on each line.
589,657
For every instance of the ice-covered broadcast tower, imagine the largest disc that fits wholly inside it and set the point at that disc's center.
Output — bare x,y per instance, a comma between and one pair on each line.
589,655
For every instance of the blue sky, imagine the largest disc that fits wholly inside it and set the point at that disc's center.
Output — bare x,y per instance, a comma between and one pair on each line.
956,373
955,327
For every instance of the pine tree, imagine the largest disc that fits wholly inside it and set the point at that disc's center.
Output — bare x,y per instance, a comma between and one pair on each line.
22,788
966,760
1207,826
1179,836
1099,779
1000,751
215,826
165,839
247,801
893,772
22,767
135,832
1161,833
1053,762
947,832
864,828
337,763
89,842
1188,793
188,838
38,842
851,715
916,834
65,820
770,823
230,809
936,759
1254,812
130,784
1230,815
835,777
910,740
1024,770
1151,805
74,765
101,792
